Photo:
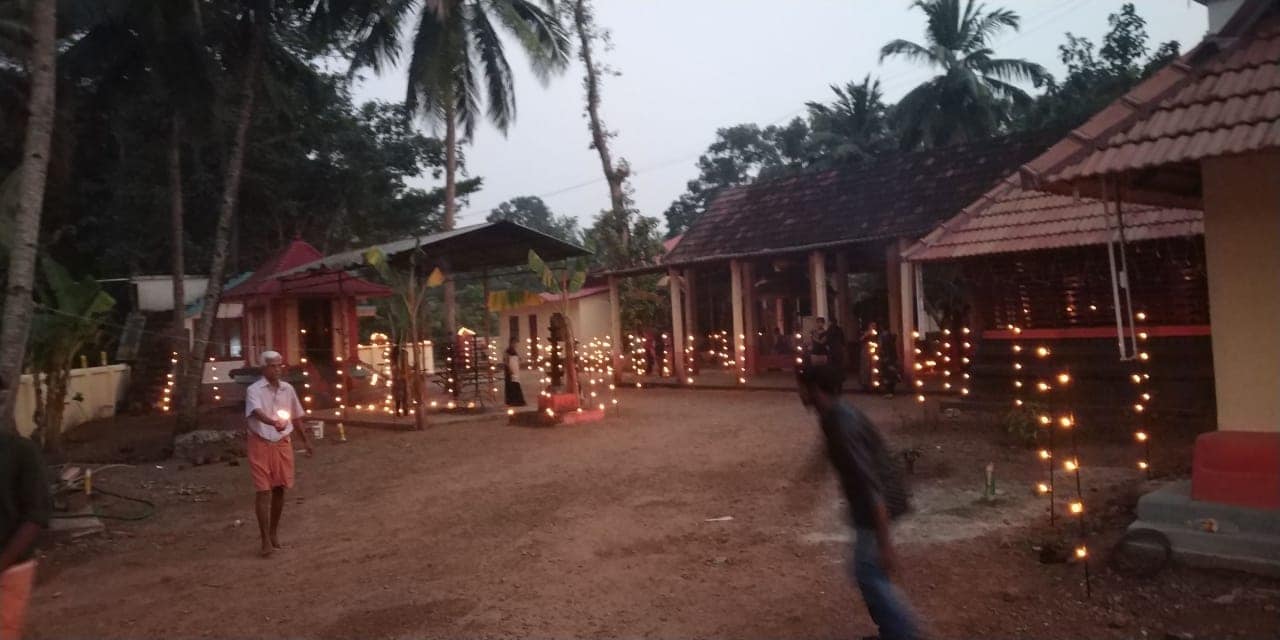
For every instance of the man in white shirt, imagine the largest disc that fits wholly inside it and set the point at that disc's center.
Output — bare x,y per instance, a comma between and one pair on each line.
271,412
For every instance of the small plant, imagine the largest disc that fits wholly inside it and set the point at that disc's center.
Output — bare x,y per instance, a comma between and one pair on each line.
1019,426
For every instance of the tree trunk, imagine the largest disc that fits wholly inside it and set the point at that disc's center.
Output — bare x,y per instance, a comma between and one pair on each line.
19,303
570,352
450,209
599,135
55,400
177,218
189,389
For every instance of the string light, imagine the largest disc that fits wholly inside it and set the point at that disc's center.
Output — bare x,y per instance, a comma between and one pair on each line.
1142,397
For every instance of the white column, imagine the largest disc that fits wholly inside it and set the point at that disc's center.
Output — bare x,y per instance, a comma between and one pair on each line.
735,299
818,280
901,278
615,329
677,324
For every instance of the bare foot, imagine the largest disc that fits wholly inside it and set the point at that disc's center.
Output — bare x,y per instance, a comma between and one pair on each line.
275,543
266,551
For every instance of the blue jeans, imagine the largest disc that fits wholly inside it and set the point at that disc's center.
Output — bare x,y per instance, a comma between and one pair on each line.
885,602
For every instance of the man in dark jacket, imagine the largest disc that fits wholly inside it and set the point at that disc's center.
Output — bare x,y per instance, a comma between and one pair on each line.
875,495
24,511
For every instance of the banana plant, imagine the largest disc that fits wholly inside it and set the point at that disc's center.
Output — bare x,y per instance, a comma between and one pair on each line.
562,282
405,312
69,316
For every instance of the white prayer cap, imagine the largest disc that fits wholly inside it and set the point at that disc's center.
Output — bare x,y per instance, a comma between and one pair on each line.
272,357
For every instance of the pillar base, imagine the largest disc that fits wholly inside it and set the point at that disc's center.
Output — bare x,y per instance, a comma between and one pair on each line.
1212,534
1239,468
558,402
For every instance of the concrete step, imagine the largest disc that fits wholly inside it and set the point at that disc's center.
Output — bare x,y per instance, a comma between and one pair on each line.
1212,535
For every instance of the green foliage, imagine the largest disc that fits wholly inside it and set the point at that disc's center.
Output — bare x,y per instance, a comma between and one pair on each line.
69,317
1019,425
738,155
1097,76
974,93
855,126
456,54
569,279
532,212
317,165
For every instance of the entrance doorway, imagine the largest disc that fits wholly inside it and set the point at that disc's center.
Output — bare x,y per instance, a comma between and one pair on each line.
315,322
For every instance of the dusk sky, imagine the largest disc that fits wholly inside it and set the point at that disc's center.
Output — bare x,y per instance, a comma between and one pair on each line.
691,66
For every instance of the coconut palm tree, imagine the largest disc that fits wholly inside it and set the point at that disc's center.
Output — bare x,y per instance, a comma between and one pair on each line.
855,126
971,96
456,56
260,43
40,68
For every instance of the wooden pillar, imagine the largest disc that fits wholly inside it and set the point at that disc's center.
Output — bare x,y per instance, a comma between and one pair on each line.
615,329
677,324
780,316
901,280
691,305
735,300
750,313
484,306
818,283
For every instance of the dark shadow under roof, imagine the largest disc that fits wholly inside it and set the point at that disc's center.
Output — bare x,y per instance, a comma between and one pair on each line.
897,195
489,245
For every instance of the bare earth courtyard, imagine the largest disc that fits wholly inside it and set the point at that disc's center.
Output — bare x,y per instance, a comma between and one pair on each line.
613,529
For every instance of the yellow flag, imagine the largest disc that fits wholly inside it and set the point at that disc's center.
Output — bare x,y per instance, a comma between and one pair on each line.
436,278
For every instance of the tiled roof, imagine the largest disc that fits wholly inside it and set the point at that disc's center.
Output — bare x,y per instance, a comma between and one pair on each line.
1222,98
900,195
1011,219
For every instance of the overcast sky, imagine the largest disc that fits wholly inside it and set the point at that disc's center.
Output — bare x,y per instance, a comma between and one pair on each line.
691,66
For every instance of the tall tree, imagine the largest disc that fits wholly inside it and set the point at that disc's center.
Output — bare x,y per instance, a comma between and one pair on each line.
250,31
973,94
615,174
456,55
18,301
258,36
151,52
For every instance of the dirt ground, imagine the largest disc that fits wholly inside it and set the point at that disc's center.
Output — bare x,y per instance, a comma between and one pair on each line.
616,529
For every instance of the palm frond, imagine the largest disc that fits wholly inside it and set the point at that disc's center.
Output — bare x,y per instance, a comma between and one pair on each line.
1014,69
465,95
426,58
500,97
983,27
911,51
540,33
1008,91
377,35
915,112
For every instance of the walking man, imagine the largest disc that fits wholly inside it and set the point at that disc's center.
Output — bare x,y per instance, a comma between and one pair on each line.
272,412
875,494
24,511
